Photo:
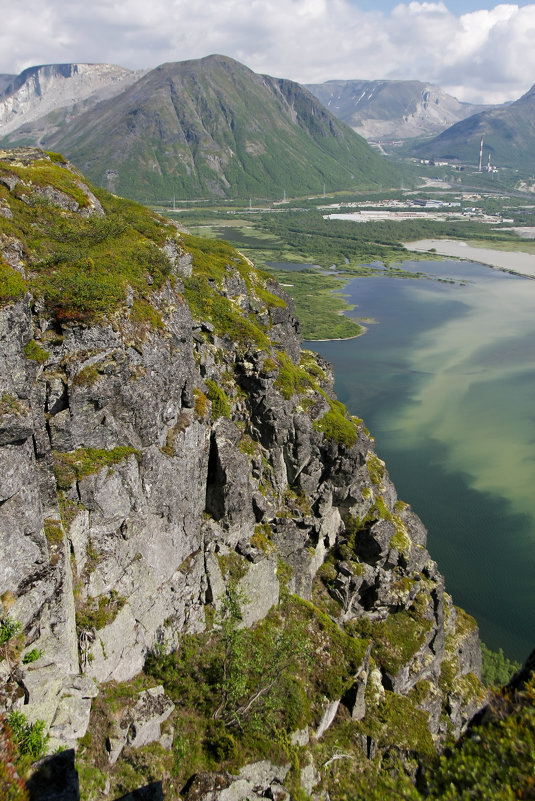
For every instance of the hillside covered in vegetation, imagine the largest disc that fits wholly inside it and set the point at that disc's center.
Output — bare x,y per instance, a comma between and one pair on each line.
209,585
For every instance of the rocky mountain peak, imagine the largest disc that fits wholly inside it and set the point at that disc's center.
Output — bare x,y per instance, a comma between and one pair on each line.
42,89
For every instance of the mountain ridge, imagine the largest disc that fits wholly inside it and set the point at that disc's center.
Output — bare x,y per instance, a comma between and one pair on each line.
212,127
392,109
508,134
49,94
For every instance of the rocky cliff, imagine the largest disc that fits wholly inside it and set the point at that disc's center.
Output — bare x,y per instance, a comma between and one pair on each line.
177,476
60,90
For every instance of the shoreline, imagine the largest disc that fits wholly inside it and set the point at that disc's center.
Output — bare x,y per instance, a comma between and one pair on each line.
462,250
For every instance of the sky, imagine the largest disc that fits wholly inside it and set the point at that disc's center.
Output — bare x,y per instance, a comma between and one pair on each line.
478,52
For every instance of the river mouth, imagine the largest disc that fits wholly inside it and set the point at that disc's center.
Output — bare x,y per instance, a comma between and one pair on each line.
446,383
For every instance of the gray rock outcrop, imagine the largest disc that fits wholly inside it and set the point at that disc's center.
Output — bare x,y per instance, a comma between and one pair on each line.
145,469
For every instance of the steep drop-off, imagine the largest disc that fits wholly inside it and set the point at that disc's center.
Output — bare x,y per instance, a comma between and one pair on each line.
182,494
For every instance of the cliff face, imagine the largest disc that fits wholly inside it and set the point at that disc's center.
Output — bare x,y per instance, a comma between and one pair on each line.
60,88
175,445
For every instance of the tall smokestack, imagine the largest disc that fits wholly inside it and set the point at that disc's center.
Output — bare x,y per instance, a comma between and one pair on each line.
488,165
481,154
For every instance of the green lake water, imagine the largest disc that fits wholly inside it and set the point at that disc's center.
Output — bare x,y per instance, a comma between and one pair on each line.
446,383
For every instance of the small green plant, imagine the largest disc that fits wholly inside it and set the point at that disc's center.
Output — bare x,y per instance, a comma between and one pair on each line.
30,738
53,531
35,352
496,669
336,426
9,629
99,612
220,402
32,656
72,466
11,640
12,785
12,285
261,538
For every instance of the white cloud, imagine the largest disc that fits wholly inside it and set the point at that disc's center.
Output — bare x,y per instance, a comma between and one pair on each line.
485,55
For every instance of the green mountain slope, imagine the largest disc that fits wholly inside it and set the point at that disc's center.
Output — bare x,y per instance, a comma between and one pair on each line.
213,127
508,134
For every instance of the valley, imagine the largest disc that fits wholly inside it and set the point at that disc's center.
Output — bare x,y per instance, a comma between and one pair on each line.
445,361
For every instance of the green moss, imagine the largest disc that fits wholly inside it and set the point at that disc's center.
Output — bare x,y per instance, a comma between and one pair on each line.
206,303
55,157
45,173
87,376
81,267
72,466
247,445
144,313
99,612
284,575
336,425
9,404
233,566
213,261
401,540
399,637
35,352
261,538
12,285
53,531
376,468
218,397
397,722
68,509
292,379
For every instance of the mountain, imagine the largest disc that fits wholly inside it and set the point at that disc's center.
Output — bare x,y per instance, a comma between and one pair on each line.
5,80
207,579
508,135
381,110
41,99
212,127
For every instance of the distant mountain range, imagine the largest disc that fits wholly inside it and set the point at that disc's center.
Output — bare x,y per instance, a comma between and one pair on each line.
387,110
42,99
193,129
508,136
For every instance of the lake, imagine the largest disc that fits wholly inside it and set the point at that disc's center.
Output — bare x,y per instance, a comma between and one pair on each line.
446,383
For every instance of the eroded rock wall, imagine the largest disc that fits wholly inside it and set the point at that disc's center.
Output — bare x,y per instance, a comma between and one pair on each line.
142,460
